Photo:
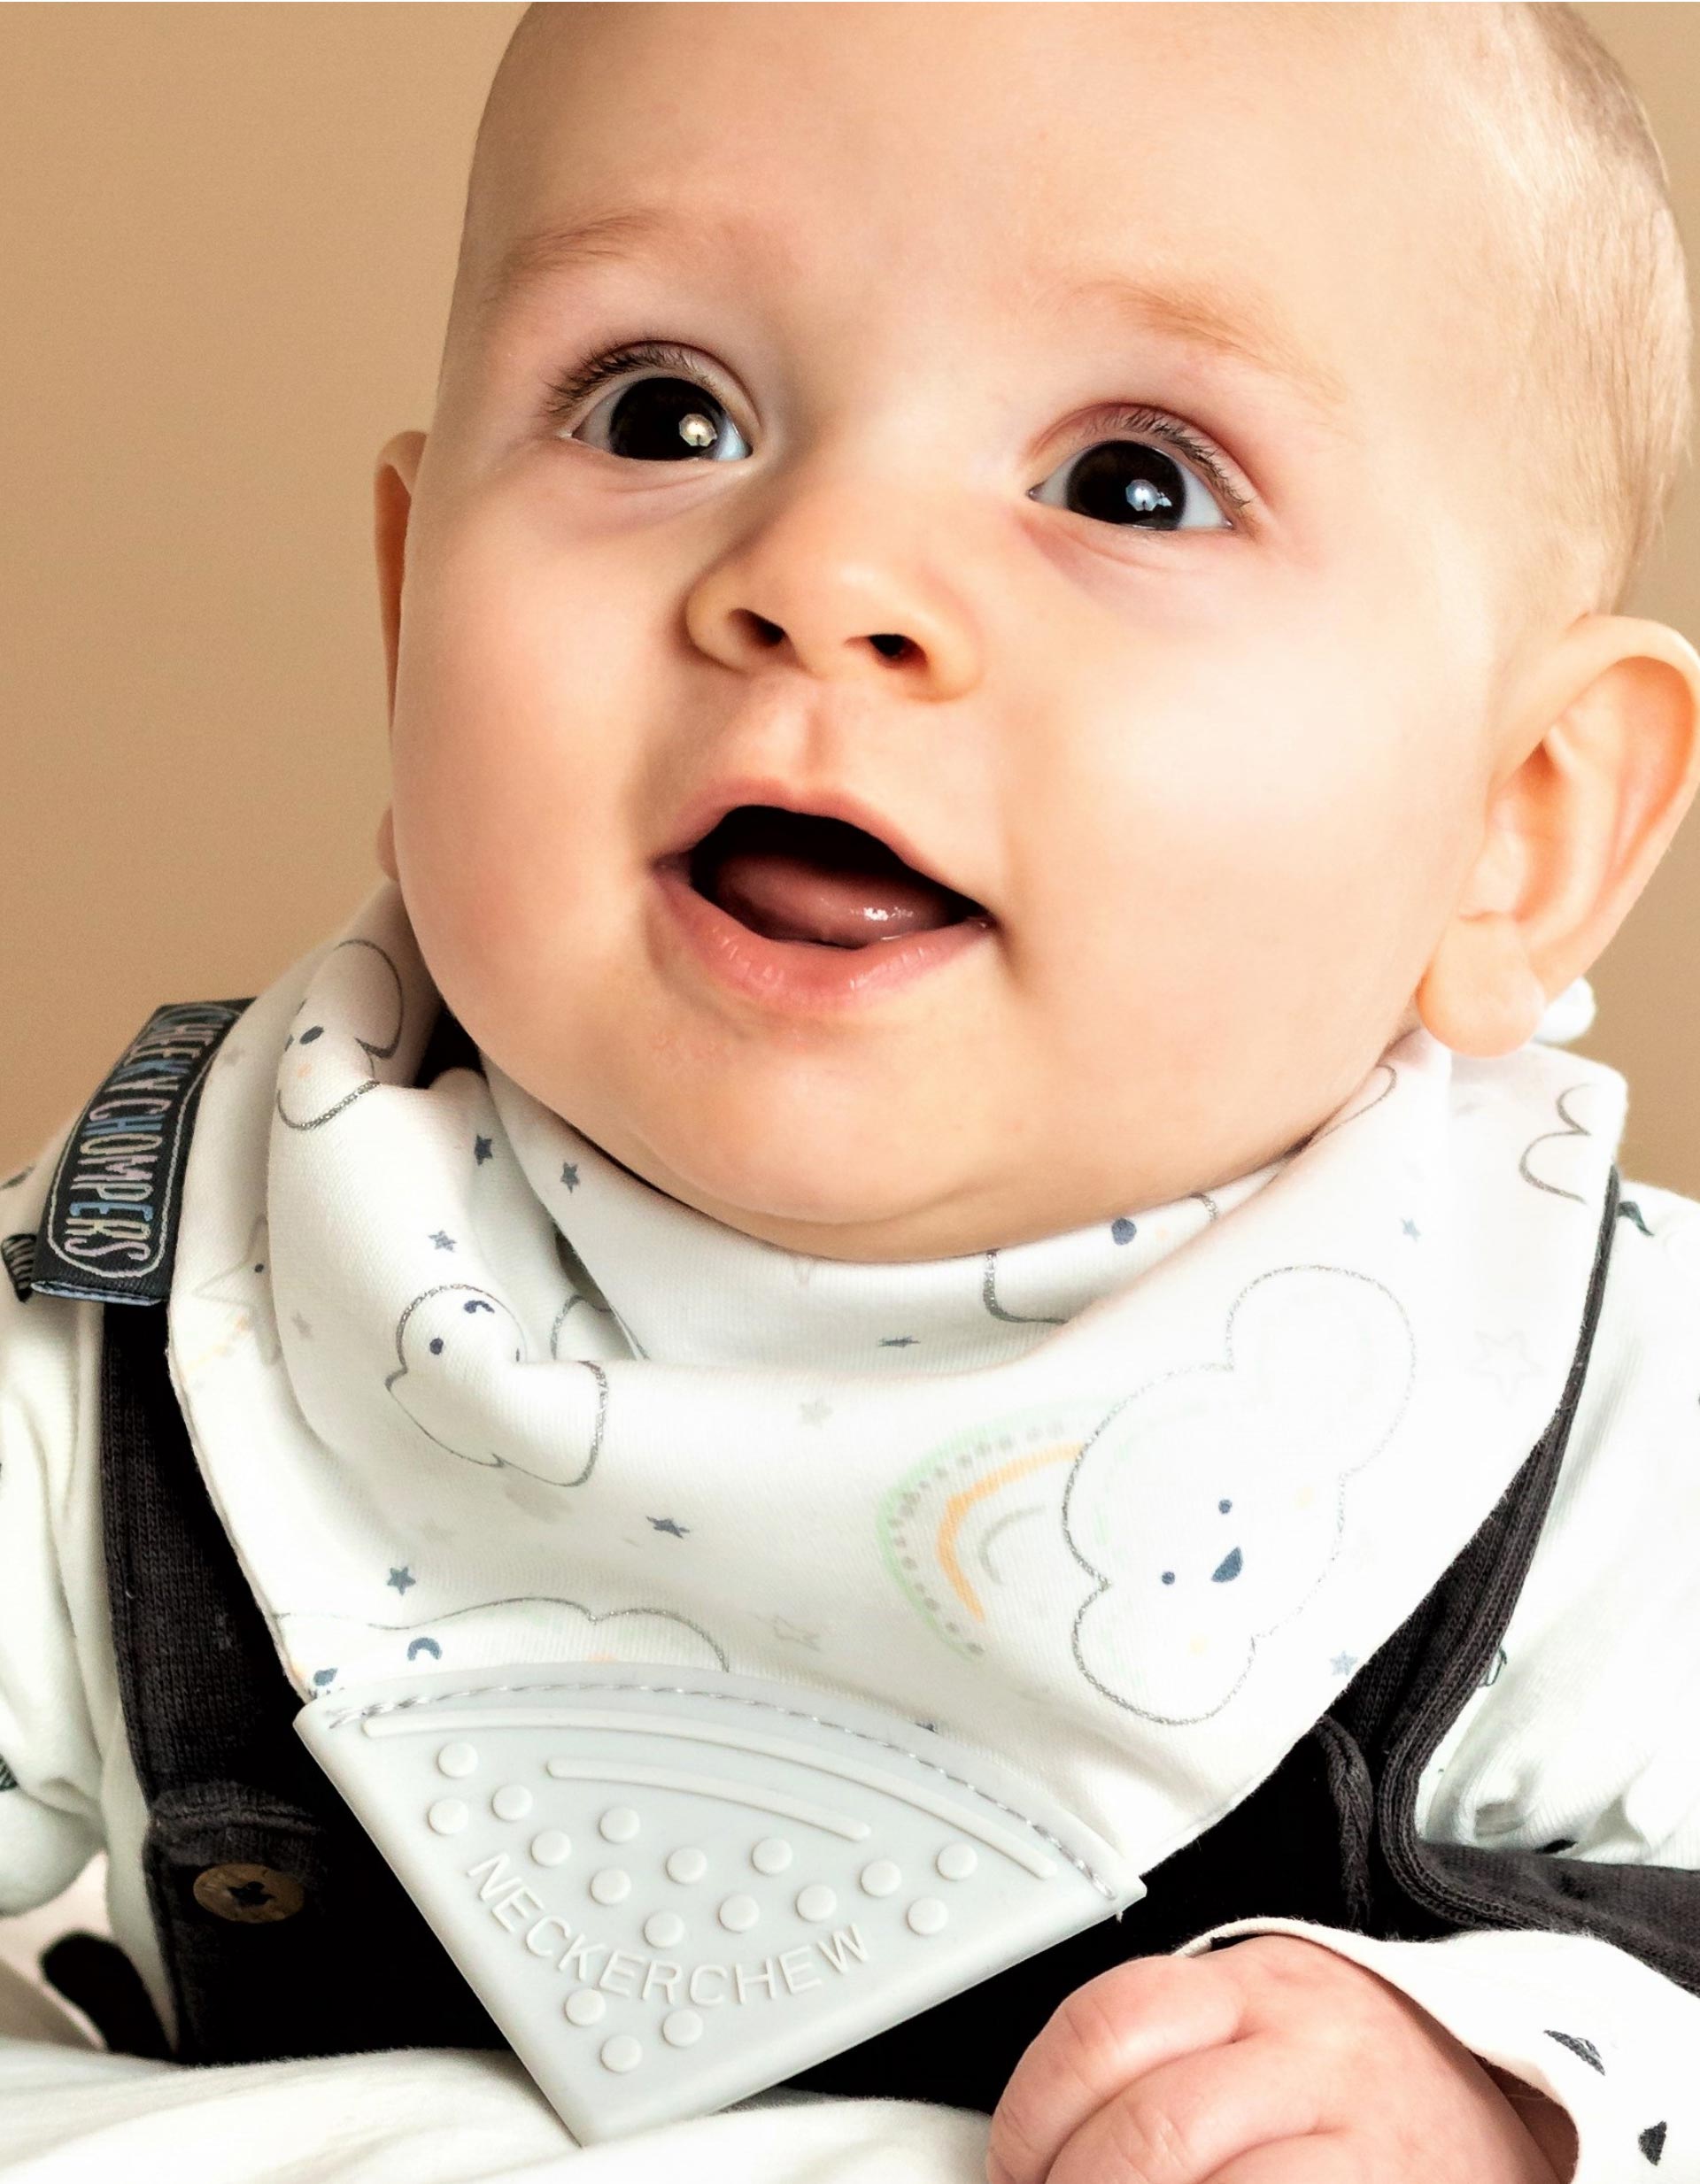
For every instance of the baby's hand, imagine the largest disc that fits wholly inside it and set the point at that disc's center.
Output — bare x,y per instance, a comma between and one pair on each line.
1271,2062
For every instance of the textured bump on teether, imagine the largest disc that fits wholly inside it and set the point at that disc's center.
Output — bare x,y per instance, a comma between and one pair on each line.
673,1888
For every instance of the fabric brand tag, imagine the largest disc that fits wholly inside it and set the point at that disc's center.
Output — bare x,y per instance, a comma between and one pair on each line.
109,1224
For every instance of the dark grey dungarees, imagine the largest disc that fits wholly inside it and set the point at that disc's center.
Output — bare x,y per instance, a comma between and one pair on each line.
284,1933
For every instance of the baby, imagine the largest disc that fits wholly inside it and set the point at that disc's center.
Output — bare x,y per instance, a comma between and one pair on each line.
1006,715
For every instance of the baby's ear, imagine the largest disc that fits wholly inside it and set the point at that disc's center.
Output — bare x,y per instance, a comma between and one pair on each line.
392,499
1602,756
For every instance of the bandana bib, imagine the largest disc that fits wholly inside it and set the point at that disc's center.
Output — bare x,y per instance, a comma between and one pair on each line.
735,1651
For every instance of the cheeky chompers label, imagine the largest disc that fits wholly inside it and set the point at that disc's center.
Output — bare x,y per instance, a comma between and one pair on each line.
109,1231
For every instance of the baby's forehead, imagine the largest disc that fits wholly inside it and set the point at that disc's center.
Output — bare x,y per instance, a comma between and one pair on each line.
1003,135
982,65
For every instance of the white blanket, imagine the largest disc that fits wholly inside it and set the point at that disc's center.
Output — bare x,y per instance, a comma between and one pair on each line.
72,2113
69,2112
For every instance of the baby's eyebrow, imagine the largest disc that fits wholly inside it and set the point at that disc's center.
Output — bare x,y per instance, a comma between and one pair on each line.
1234,320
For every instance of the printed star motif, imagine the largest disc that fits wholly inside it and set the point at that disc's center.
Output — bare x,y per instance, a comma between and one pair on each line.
666,1524
482,1150
569,1175
813,1411
303,1327
401,1578
1505,1360
244,1284
229,1058
1412,1230
1343,1664
796,1635
443,1239
897,1342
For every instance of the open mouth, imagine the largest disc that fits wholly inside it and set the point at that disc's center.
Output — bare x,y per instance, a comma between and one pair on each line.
794,875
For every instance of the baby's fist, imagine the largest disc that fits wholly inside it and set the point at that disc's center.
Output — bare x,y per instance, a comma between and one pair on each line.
1271,2062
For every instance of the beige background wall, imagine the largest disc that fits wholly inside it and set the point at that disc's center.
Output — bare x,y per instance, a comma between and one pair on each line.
226,237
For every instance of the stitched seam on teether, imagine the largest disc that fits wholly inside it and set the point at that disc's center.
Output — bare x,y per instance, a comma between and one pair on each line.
769,1706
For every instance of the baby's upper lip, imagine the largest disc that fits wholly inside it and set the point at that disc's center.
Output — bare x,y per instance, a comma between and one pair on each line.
707,809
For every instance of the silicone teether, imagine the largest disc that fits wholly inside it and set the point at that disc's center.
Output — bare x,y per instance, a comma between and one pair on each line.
671,1889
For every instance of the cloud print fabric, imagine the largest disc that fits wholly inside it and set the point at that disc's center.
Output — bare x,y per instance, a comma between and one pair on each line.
1124,1508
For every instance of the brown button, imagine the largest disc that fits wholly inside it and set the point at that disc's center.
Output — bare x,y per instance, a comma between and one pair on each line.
251,1895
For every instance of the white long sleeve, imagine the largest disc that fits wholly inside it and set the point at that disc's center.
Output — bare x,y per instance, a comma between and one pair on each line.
50,1520
1611,2041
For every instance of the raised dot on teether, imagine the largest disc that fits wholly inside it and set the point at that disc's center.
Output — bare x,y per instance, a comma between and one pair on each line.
584,2006
880,1877
680,2028
610,1885
621,2053
687,1864
457,1759
618,1824
957,1861
664,1929
926,1915
512,1802
738,1913
552,1848
771,1855
448,1816
816,1902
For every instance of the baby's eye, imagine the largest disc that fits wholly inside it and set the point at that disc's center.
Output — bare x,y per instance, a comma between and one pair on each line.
666,417
1132,483
670,416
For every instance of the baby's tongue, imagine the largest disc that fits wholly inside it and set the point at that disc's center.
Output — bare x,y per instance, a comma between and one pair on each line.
790,899
791,877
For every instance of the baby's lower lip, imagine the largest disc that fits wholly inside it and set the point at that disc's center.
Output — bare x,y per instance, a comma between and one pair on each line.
798,974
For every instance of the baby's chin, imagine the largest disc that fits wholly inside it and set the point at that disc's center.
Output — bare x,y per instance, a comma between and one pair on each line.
880,1198
809,1192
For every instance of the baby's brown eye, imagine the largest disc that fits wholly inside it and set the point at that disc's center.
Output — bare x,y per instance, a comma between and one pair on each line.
662,419
1134,485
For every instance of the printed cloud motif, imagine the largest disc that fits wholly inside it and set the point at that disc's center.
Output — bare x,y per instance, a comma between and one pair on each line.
1559,1157
324,1068
1208,1505
463,1379
327,1648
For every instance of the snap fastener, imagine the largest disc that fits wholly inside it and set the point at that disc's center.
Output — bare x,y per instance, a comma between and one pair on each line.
248,1896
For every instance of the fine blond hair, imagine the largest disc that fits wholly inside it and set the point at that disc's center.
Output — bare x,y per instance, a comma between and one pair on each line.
1598,330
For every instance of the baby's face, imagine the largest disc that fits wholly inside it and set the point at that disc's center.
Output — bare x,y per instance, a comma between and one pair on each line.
912,521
